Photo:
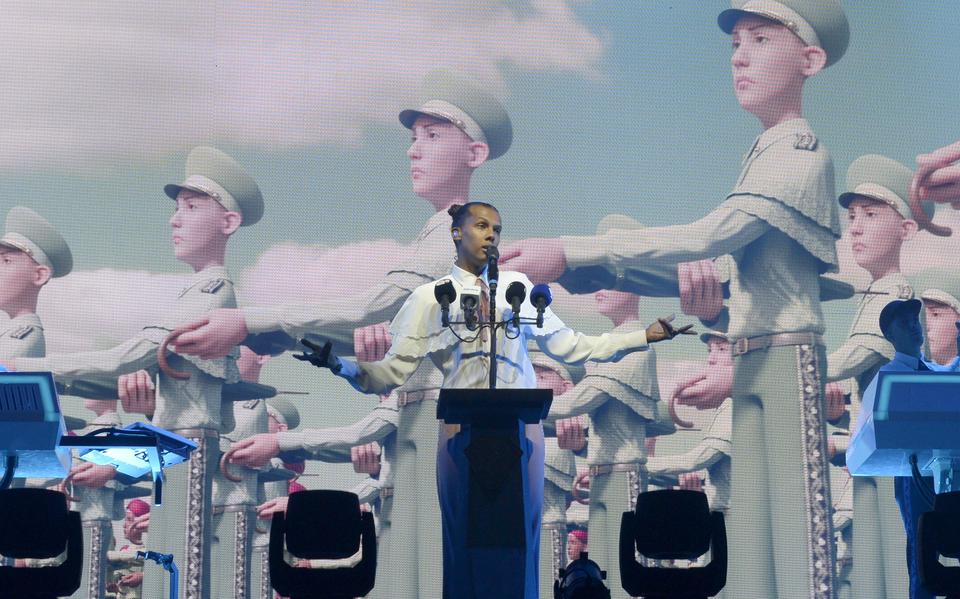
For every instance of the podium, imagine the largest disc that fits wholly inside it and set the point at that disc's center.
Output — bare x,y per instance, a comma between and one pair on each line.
915,413
493,418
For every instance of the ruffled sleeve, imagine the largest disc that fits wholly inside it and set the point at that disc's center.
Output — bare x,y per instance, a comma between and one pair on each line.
417,330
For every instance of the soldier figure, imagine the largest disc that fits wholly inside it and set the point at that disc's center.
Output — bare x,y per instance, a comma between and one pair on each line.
456,128
273,484
125,579
560,469
880,221
621,399
780,224
31,253
714,452
216,198
235,501
95,489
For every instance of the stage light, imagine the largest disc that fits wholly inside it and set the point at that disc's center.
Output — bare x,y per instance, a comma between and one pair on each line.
323,525
939,535
37,525
673,525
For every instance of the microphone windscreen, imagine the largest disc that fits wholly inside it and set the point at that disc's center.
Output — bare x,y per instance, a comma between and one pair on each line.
540,296
444,292
493,254
516,292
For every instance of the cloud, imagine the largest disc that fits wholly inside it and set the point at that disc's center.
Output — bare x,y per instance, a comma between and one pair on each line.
292,273
97,309
92,82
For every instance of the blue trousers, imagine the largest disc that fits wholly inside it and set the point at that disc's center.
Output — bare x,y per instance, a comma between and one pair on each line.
475,573
912,505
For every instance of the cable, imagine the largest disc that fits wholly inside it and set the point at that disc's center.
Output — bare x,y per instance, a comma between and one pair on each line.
11,467
918,479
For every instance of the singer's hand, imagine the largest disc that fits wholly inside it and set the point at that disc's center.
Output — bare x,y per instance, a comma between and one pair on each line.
543,260
662,330
92,476
321,357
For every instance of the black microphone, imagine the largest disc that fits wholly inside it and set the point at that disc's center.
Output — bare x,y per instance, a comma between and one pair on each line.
540,297
445,295
470,304
516,293
493,270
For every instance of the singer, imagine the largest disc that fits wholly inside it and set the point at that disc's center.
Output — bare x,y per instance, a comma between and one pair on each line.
418,332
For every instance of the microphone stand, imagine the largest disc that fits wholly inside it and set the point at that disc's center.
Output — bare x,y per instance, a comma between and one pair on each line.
492,325
493,334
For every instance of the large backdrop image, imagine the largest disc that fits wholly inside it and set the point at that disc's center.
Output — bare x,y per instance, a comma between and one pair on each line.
609,128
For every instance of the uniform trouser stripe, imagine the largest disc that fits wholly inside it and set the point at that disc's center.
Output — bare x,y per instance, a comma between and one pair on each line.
198,520
183,524
816,474
611,494
780,527
260,573
96,554
241,553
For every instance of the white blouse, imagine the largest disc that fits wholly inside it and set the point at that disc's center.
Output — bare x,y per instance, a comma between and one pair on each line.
417,333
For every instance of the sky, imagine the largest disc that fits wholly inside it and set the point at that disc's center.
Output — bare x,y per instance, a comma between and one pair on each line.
618,107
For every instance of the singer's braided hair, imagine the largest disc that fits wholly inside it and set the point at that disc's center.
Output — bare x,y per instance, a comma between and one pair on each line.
460,212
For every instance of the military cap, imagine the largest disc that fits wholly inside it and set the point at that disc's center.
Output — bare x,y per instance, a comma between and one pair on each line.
884,180
896,309
283,410
708,335
939,285
569,372
472,110
820,23
211,172
30,233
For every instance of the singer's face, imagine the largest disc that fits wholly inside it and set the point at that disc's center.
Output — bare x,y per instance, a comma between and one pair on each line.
439,156
480,230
